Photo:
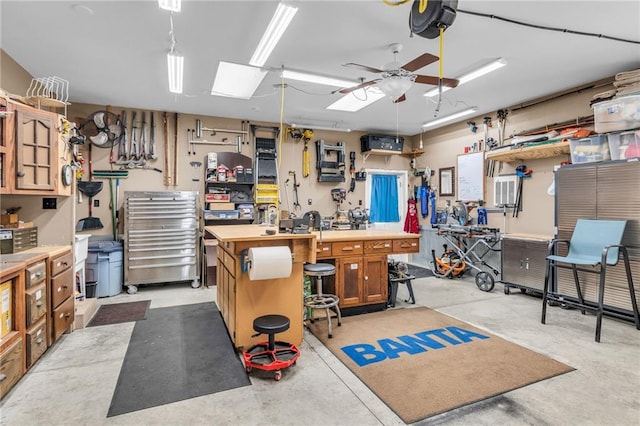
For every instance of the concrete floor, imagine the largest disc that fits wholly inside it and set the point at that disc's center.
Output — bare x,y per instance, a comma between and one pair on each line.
74,381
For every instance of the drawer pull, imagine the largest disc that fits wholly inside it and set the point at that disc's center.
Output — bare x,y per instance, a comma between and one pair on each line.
39,303
39,340
67,315
2,377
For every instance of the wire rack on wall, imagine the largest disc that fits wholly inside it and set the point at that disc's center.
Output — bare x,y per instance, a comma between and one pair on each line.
51,92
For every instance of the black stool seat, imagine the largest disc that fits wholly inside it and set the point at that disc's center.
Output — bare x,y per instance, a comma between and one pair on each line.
319,269
271,324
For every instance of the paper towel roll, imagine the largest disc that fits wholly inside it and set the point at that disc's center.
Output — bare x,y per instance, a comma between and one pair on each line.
269,262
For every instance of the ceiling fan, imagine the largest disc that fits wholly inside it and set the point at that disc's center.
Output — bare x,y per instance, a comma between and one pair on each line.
395,80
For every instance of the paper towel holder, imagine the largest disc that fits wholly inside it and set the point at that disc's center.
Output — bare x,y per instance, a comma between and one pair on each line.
245,263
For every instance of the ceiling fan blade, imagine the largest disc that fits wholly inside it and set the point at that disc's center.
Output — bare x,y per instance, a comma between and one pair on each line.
362,67
400,99
433,80
419,62
359,86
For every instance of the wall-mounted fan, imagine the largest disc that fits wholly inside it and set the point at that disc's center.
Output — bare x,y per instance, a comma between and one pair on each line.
103,128
395,79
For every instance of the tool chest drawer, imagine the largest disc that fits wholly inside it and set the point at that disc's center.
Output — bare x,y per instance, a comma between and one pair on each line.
346,248
377,246
36,342
35,274
60,263
61,287
36,303
406,245
10,367
63,317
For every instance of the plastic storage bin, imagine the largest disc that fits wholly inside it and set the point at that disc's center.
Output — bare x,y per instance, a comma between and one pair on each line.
617,114
587,150
104,266
624,145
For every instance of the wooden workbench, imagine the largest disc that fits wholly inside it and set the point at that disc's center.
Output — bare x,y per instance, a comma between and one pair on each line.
360,257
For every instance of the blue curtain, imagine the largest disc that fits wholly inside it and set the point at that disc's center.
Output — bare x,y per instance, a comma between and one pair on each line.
384,199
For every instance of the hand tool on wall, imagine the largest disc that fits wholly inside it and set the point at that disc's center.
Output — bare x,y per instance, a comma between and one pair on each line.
296,204
134,140
152,141
123,147
352,170
502,122
306,159
143,137
486,122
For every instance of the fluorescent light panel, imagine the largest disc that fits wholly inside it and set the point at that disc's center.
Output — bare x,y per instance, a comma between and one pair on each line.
175,66
316,78
358,99
479,72
449,117
279,23
170,5
236,80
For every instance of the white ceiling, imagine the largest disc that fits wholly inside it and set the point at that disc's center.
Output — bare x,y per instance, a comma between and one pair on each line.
116,54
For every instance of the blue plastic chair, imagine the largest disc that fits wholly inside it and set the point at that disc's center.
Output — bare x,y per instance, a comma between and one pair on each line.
595,244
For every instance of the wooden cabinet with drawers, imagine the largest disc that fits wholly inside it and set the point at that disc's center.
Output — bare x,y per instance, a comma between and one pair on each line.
361,264
62,283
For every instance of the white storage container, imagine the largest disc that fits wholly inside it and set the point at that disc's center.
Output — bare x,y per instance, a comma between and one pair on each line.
617,114
624,145
81,247
588,150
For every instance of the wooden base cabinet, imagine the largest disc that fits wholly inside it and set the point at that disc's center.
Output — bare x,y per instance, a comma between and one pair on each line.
62,284
11,366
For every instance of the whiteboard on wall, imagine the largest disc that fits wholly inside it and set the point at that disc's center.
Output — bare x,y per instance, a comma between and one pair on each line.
470,177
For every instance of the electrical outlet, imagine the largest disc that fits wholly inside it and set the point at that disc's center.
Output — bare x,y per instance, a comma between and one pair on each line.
309,201
96,203
359,202
49,203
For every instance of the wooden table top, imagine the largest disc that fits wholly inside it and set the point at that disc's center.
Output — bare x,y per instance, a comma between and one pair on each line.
257,232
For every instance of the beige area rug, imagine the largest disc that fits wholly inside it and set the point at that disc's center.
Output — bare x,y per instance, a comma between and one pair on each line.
422,363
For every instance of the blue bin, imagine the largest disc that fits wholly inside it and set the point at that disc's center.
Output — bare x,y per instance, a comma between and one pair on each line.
104,266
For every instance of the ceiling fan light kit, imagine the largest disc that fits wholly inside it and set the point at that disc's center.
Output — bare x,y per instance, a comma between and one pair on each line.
448,118
277,26
395,86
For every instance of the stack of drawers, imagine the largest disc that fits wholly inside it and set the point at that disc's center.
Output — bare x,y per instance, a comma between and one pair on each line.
36,310
62,289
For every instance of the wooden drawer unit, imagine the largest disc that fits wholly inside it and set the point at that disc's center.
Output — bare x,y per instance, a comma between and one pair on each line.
377,246
62,318
406,245
36,342
11,366
61,287
61,262
346,248
323,250
35,274
36,303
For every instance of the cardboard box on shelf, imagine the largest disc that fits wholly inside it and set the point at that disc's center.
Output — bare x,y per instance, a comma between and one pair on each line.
6,312
6,219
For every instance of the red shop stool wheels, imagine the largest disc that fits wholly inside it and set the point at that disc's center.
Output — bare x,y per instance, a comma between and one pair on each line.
271,355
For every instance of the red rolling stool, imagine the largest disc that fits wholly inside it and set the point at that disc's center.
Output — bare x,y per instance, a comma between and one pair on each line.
271,355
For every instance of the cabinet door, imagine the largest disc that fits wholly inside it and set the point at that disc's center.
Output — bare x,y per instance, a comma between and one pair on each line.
375,287
35,148
4,147
513,265
349,280
536,263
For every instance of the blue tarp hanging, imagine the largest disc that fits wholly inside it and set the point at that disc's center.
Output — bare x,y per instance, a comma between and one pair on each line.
384,199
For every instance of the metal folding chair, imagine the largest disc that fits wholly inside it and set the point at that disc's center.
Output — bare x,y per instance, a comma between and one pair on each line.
595,244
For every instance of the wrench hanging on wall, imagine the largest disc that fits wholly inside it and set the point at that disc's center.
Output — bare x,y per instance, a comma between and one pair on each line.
152,142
